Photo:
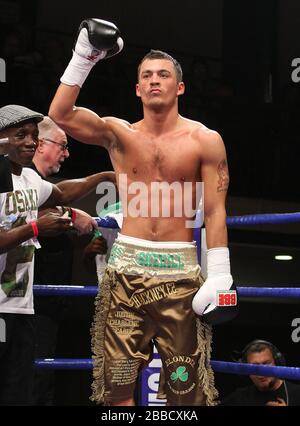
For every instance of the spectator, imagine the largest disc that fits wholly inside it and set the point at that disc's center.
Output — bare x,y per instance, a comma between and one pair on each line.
53,264
20,226
270,391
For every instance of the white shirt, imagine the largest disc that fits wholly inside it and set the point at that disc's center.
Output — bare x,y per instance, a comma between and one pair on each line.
16,266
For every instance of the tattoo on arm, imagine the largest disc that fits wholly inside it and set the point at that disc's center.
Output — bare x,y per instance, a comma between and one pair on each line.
223,181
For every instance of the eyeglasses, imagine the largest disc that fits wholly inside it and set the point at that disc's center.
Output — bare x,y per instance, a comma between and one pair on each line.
63,146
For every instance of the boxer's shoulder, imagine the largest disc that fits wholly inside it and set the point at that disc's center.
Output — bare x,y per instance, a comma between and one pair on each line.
116,122
205,137
119,132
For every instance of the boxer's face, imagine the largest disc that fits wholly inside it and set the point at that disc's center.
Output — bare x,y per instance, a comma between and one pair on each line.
157,83
264,357
23,141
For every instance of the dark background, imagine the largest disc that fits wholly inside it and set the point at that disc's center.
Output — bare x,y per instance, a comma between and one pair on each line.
236,57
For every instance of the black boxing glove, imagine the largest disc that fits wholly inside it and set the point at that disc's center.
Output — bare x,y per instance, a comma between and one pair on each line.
97,39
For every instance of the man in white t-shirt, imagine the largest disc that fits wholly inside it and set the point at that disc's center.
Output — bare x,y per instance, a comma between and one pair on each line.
19,228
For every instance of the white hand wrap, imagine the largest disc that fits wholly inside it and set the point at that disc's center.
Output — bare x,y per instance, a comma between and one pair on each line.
85,56
218,279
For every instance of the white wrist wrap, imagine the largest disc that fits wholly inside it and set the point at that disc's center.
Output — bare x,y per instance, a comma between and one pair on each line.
85,56
218,262
77,70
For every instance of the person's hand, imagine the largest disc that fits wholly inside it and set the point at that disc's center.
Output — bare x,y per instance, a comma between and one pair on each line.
97,39
51,224
216,301
279,403
109,176
97,246
42,212
83,222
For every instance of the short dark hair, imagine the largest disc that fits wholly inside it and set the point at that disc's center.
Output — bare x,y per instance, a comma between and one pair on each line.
261,345
159,54
258,347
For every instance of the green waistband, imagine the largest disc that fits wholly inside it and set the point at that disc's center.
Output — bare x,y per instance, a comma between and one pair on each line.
129,258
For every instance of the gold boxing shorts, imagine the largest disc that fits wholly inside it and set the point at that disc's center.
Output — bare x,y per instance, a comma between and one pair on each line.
145,298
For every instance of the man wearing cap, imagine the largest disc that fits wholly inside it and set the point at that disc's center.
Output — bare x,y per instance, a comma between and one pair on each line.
20,226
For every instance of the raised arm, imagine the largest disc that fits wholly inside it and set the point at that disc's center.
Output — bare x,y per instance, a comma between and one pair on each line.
97,39
82,124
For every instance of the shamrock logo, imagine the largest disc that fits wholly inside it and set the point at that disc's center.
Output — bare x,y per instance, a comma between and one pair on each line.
180,374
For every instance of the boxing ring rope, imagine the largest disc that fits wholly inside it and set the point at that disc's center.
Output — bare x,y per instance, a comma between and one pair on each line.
263,219
292,373
79,290
232,221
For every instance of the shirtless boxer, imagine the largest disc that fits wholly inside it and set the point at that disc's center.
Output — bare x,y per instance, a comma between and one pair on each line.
153,277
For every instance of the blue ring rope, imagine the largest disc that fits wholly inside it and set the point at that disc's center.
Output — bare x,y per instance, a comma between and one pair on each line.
74,290
291,373
232,221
